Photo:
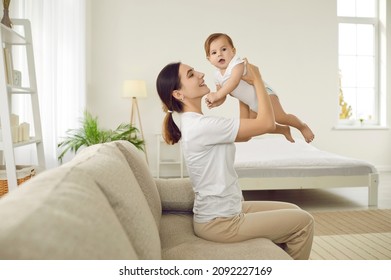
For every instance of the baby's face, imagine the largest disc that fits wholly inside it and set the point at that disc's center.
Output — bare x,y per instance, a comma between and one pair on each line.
221,53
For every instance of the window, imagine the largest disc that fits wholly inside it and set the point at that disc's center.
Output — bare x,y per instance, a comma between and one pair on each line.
59,48
358,59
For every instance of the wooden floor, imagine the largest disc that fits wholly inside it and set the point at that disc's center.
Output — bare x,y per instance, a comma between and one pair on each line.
352,235
330,199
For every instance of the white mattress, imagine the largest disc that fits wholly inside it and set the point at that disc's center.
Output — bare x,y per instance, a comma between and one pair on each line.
276,157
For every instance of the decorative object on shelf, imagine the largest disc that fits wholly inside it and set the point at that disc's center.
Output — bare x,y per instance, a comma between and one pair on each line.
23,173
90,134
14,120
346,110
8,63
16,78
135,89
20,132
6,18
24,132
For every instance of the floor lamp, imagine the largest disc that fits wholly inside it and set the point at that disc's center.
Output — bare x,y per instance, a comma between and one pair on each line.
135,89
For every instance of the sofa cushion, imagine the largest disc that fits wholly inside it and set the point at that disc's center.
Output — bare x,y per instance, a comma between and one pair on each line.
56,216
176,194
137,163
110,170
179,242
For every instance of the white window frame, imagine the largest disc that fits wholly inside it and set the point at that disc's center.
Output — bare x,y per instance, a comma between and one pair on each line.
379,111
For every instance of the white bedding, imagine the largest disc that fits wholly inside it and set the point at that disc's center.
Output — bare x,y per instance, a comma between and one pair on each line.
276,157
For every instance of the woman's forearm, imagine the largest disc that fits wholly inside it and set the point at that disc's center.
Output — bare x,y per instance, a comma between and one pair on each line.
265,109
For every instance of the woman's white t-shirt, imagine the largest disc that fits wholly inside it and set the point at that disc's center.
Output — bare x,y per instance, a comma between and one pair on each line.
209,152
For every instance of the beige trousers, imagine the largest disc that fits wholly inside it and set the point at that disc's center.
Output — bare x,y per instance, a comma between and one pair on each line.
284,223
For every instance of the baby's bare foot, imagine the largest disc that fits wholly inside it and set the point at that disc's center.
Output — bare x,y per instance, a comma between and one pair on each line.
286,131
307,133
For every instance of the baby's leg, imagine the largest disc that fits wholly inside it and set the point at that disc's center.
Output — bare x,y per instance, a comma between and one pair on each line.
284,130
289,119
280,129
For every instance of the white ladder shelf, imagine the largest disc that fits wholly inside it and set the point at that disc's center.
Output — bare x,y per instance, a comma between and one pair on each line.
9,37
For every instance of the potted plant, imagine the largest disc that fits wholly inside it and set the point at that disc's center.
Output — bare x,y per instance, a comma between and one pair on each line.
90,134
6,18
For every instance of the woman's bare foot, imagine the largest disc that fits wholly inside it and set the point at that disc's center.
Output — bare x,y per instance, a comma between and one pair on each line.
307,133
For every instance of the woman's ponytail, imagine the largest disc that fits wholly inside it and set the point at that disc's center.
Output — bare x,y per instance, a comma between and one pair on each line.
168,81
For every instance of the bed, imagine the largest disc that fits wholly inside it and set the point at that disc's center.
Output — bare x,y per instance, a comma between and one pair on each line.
271,163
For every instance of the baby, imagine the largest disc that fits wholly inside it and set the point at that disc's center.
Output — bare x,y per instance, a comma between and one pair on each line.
220,51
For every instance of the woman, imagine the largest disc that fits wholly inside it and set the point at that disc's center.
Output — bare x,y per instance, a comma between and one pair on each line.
209,152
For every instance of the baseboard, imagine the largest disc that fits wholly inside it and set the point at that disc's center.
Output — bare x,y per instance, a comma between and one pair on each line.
383,168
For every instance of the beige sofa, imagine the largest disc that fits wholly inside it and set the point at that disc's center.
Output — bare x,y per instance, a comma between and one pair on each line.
105,204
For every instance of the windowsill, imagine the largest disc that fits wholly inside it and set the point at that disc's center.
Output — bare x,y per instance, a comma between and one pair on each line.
359,127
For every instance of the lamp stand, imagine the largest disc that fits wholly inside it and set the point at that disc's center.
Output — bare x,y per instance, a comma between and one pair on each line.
135,110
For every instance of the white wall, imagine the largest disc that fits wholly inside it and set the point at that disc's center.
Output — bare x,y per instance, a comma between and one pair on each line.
294,42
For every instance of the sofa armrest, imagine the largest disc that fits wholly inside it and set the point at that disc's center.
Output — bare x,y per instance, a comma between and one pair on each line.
176,194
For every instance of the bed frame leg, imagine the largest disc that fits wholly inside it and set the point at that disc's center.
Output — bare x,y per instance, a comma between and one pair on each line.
373,189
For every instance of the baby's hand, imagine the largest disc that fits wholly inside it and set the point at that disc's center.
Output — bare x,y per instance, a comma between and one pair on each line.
212,100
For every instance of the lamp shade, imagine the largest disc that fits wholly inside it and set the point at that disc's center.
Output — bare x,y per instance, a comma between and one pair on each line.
134,88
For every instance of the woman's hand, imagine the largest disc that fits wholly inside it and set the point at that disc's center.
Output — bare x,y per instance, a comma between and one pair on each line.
252,73
265,121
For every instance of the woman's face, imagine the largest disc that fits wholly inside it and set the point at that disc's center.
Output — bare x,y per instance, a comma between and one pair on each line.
192,82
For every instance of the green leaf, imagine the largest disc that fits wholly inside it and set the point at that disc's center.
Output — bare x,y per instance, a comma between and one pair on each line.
90,134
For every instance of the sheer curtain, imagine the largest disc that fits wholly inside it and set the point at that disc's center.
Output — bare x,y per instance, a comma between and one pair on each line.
58,29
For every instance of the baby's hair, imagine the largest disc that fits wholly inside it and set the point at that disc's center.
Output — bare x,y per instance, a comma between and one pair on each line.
213,37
